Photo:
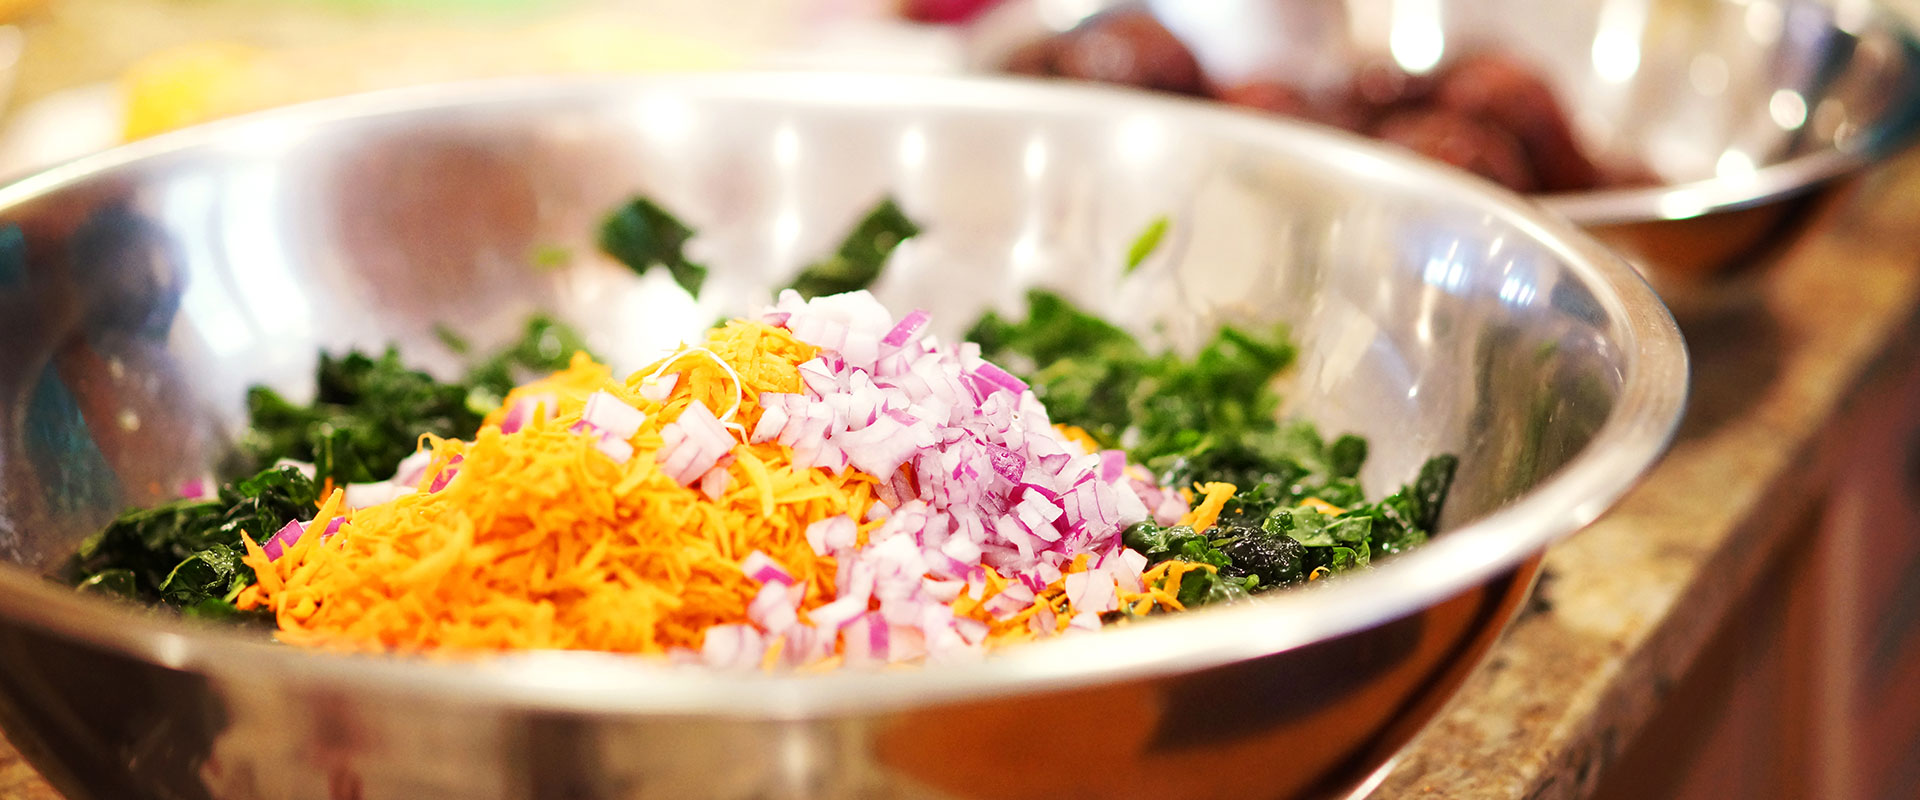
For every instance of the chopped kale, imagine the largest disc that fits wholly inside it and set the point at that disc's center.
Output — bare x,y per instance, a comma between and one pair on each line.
643,235
1160,408
186,554
545,345
368,413
1298,511
856,265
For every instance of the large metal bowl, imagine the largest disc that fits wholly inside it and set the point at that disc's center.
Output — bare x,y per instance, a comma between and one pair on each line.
147,286
1748,112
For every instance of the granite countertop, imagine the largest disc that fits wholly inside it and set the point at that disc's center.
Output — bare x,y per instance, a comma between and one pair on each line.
1629,603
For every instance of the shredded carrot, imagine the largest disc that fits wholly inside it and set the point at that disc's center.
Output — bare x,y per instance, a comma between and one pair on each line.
542,541
1214,497
1079,435
1027,624
1322,506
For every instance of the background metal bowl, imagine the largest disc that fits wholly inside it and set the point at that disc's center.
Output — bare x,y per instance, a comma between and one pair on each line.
147,286
1747,111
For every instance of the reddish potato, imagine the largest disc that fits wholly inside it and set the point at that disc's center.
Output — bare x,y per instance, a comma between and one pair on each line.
1463,141
1504,91
1379,89
1037,57
1132,48
1272,96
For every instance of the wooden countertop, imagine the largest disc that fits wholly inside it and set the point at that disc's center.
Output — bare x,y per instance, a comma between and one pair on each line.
1630,602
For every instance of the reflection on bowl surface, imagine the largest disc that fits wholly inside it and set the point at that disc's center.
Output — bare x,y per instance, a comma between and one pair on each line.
156,282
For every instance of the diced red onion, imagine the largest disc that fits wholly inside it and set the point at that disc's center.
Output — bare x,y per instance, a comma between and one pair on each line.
732,647
196,489
832,534
909,325
761,567
1000,378
612,415
523,411
713,484
837,614
275,545
993,484
775,608
620,450
289,534
693,444
362,495
413,468
659,387
772,419
446,475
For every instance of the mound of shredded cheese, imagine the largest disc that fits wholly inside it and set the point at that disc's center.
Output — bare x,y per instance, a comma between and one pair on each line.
823,485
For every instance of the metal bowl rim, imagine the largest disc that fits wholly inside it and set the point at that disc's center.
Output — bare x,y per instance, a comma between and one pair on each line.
1770,183
1626,445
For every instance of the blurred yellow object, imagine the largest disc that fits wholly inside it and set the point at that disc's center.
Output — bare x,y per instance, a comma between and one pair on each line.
11,10
205,81
188,84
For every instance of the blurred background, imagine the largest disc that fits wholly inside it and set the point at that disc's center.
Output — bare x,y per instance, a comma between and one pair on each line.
89,73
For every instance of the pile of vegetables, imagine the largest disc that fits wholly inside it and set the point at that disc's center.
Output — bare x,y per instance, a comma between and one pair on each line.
820,484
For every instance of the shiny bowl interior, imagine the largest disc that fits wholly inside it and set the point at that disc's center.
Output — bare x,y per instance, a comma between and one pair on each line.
1735,105
143,289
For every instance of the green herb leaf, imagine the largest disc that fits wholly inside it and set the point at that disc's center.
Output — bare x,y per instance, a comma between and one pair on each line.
1147,242
857,264
642,236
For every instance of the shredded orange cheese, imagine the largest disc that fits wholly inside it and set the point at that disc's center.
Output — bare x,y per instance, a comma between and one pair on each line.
1214,497
542,541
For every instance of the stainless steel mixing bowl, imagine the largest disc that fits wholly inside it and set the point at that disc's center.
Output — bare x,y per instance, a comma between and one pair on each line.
141,290
1749,112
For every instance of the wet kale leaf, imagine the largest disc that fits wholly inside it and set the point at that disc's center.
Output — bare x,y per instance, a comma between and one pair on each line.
642,235
858,261
368,413
186,554
1299,511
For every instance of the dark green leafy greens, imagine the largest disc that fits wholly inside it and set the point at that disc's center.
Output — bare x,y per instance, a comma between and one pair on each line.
856,265
642,235
368,413
1217,406
366,416
1299,511
186,554
545,345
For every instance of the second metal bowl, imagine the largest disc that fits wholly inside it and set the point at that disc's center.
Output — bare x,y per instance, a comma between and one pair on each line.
1747,112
